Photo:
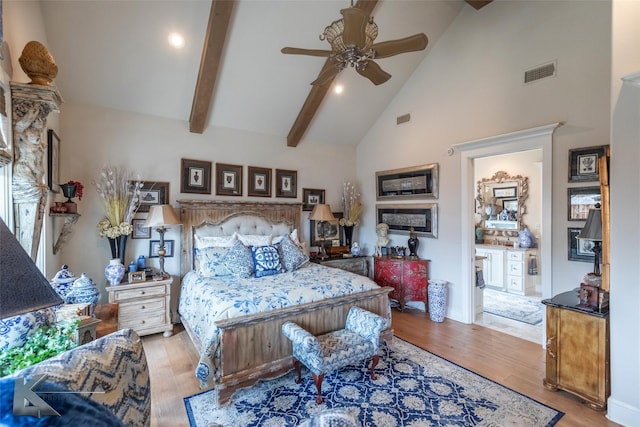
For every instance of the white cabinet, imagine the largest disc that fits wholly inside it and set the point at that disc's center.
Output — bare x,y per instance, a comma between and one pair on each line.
492,265
505,268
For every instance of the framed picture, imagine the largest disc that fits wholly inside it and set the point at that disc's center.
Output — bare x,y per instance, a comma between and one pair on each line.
259,181
580,200
505,192
137,276
228,180
583,163
140,232
326,231
311,197
153,193
154,246
53,160
579,250
195,176
286,183
422,217
418,182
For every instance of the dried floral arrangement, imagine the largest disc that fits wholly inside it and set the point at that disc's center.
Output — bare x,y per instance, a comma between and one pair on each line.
120,197
351,205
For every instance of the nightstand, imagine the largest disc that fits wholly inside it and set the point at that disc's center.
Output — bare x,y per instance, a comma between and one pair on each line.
358,265
144,306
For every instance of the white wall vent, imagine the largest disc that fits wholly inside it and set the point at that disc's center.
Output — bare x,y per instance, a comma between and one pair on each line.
540,72
403,119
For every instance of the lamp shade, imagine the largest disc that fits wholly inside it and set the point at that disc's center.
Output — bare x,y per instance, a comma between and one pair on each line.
592,230
161,215
322,212
23,288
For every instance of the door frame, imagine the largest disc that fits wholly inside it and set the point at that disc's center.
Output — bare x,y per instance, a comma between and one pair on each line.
535,138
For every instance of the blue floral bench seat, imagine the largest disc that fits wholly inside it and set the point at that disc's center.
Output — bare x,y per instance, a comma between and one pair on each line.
360,339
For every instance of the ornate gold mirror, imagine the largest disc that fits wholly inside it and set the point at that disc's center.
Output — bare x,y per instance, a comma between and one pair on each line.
501,203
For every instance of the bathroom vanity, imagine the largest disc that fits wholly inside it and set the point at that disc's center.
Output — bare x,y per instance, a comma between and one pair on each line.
505,268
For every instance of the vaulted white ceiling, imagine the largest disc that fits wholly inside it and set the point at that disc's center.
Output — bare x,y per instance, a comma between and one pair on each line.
115,54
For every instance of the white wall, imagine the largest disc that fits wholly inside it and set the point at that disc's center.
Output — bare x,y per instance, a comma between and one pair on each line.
469,87
624,403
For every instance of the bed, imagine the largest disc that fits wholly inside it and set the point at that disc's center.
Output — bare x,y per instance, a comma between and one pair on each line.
234,321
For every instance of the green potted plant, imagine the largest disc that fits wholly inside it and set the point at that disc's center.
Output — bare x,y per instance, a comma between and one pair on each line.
44,343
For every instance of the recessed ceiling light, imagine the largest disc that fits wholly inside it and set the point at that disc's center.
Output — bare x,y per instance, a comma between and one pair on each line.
176,40
338,89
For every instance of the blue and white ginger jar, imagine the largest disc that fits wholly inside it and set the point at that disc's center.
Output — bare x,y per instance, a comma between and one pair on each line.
437,296
355,249
62,282
84,291
526,239
114,271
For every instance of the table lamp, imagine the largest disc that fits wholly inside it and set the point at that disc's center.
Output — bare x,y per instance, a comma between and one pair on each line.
23,287
322,214
592,231
160,216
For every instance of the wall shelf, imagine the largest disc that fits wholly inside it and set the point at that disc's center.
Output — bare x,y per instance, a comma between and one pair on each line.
69,220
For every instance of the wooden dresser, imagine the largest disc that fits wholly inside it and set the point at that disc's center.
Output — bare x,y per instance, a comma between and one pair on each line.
144,306
358,265
407,276
578,350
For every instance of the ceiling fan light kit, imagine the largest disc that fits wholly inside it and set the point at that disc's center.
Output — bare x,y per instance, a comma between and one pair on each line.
352,43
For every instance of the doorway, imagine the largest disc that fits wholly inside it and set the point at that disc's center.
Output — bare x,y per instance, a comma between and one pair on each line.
529,139
509,198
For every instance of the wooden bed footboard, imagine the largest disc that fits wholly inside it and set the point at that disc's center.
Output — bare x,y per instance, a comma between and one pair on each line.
254,348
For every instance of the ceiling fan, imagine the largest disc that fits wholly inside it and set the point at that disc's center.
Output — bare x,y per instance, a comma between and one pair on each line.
352,43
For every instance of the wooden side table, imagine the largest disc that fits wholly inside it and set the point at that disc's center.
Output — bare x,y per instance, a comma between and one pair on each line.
144,307
407,276
358,265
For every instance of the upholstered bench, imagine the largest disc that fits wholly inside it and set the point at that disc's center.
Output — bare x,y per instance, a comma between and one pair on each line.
359,340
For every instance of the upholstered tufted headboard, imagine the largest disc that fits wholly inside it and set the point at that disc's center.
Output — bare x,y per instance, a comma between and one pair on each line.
223,218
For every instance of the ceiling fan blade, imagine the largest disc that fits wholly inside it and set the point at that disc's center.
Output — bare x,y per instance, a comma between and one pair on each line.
300,51
374,73
394,47
355,23
326,75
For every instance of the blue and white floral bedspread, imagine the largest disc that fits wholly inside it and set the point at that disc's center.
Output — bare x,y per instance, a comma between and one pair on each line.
203,301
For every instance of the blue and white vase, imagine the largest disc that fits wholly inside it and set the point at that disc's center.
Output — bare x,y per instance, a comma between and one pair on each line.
437,293
84,291
62,282
114,271
355,249
526,239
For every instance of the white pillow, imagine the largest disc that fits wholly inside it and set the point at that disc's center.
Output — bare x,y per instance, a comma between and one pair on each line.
255,239
201,242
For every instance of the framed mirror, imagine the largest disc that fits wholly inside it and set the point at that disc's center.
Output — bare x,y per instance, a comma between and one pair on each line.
500,201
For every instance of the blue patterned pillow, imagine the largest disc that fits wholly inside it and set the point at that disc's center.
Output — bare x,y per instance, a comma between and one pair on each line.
292,256
266,260
209,261
239,261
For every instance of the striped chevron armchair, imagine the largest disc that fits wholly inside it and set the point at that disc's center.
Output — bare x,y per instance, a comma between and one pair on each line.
360,339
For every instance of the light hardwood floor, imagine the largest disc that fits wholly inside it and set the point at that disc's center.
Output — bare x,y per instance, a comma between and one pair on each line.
513,362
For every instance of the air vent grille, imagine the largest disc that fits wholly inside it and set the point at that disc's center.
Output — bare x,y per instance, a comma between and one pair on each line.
403,119
541,72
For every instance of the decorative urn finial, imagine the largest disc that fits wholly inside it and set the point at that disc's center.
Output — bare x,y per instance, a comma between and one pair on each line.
38,64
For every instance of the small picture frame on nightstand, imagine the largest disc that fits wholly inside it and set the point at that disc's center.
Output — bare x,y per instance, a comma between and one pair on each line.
137,277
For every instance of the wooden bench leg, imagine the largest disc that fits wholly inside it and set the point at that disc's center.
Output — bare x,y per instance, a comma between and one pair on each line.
374,363
298,367
317,379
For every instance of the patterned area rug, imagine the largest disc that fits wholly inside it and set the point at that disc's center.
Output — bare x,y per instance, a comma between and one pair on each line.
414,388
523,309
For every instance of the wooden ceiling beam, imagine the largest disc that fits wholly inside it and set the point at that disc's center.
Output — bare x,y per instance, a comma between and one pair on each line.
318,93
214,41
478,4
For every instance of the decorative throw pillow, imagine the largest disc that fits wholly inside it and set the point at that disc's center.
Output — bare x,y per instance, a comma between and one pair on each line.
292,256
266,260
210,261
255,239
239,261
201,242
